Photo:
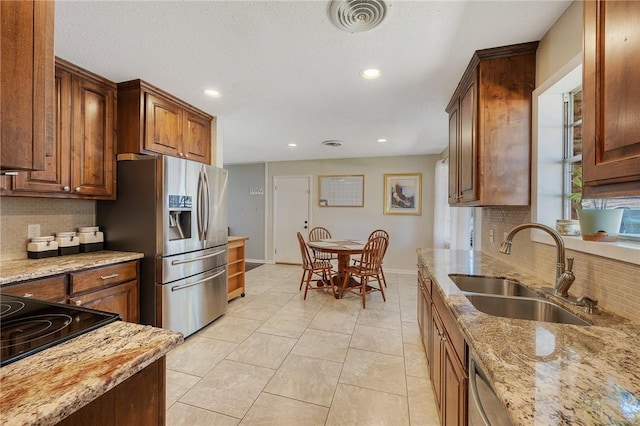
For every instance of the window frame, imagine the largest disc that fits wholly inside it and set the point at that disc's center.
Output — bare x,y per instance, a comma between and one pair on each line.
548,169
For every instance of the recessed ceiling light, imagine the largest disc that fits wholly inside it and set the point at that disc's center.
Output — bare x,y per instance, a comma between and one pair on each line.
292,144
370,74
212,93
382,140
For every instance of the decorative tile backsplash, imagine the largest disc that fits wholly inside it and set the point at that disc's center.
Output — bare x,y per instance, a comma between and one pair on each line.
53,215
615,284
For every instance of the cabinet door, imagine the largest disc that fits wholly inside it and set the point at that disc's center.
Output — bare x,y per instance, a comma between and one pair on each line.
197,138
467,148
26,82
437,352
56,176
611,106
93,157
163,126
454,404
121,299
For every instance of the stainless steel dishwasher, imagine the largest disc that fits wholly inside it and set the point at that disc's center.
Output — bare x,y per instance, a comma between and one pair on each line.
485,409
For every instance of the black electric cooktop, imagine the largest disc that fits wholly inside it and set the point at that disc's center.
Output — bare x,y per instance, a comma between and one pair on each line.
28,326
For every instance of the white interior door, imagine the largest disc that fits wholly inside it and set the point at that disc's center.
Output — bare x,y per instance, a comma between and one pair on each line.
291,215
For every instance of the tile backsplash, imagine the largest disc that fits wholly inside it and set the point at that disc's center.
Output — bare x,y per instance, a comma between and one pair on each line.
53,215
615,284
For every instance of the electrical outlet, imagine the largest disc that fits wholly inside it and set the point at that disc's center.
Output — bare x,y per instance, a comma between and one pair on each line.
491,232
33,231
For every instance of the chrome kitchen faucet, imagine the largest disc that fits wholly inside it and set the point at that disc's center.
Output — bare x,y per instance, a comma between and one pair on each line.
564,277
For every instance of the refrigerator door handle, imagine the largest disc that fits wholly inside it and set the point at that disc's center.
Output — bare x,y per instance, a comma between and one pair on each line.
195,259
199,206
206,205
209,278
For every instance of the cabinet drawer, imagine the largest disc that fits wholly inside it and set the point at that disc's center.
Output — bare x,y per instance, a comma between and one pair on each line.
102,277
52,289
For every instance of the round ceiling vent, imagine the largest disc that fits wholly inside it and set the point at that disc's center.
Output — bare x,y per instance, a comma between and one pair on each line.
332,142
358,15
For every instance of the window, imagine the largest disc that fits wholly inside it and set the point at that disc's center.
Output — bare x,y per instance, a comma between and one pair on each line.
572,150
572,163
557,150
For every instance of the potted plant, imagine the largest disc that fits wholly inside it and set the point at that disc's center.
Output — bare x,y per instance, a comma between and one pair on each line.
597,223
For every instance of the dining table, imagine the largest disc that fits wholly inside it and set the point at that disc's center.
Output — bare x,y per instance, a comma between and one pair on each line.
344,248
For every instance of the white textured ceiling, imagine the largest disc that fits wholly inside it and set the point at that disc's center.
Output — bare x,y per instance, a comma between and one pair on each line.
288,75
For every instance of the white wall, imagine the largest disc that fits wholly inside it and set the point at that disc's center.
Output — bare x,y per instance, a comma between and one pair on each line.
406,232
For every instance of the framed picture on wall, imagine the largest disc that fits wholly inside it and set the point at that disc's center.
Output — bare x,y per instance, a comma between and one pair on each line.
402,194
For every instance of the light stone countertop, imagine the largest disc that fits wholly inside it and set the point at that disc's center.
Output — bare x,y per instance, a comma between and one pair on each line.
545,373
12,271
44,388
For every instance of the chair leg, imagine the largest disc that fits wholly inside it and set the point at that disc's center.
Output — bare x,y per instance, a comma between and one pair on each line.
363,292
304,272
384,299
384,279
308,281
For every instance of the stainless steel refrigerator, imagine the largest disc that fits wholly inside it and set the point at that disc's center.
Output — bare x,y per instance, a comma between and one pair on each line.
175,212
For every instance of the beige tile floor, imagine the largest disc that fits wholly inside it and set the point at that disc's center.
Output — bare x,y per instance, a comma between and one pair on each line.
276,359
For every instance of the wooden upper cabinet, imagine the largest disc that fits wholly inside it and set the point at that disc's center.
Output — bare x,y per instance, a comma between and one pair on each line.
153,121
611,99
490,128
56,176
93,151
197,137
26,82
80,154
163,125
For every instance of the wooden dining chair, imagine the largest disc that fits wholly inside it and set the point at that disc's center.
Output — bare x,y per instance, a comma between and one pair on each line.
311,267
366,270
316,234
384,234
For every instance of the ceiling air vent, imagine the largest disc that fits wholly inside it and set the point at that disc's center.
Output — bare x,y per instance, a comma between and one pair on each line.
332,142
358,15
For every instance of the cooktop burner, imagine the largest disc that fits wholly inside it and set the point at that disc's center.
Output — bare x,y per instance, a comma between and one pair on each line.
28,326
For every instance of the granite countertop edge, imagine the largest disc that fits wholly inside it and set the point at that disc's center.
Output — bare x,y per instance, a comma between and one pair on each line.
46,387
590,374
17,270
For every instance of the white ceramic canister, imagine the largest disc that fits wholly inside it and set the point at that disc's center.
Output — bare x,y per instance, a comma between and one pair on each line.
68,243
91,239
41,247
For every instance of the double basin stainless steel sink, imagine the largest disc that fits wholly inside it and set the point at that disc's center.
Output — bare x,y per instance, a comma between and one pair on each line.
507,298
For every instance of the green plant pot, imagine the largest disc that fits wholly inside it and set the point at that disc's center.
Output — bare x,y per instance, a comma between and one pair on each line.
594,220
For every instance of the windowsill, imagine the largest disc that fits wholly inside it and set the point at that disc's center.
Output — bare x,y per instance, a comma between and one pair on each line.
625,251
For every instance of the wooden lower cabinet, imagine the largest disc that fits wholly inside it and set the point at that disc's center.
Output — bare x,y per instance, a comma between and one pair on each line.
139,400
446,353
51,289
121,298
454,387
235,267
111,288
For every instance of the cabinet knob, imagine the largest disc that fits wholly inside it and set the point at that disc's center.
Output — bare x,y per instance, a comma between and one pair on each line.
78,302
78,189
66,188
180,154
186,155
28,295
